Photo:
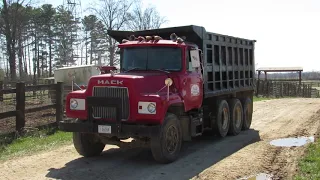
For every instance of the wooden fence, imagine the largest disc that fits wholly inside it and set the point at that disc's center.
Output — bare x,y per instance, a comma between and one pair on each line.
20,98
286,89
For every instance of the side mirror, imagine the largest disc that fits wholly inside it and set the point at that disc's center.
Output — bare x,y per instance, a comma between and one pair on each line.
83,87
118,52
195,58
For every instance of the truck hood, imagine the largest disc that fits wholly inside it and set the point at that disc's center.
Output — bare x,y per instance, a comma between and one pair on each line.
139,82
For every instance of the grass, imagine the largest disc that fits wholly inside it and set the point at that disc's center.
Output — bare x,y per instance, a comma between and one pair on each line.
255,99
40,141
309,165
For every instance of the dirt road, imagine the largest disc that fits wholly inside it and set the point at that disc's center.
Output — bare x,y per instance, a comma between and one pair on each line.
205,158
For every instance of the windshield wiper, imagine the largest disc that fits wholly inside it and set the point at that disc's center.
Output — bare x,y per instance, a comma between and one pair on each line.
137,68
159,70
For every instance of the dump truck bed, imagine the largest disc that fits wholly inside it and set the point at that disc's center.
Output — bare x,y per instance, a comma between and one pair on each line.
228,61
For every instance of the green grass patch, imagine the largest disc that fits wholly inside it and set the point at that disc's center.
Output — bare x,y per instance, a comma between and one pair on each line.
255,99
309,165
31,144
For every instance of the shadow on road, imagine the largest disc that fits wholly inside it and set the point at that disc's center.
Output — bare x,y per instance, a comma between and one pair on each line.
136,164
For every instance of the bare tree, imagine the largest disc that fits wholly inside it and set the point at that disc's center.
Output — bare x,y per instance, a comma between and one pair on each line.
148,18
114,16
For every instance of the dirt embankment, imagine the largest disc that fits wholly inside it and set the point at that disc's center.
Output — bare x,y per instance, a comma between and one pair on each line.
205,158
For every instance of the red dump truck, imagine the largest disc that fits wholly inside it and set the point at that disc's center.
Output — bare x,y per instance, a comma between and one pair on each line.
174,84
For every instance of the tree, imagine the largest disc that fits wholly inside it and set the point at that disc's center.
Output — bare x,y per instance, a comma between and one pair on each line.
12,16
35,33
114,15
96,30
48,14
148,18
89,23
65,26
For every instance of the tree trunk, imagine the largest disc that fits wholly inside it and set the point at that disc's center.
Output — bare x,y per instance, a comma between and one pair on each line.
50,53
86,48
20,52
25,60
91,48
7,65
29,59
111,52
38,60
35,58
12,64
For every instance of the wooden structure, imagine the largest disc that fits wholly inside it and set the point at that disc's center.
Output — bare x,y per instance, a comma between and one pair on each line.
277,69
277,89
21,110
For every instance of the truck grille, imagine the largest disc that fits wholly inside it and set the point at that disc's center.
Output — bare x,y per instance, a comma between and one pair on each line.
110,112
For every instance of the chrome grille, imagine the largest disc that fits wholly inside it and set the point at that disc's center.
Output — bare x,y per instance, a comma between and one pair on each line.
112,92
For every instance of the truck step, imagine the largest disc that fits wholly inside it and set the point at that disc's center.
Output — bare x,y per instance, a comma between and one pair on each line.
196,126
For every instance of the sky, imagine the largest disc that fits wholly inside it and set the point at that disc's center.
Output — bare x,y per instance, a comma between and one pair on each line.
287,31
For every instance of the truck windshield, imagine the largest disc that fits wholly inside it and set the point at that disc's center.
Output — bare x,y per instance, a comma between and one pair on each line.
152,58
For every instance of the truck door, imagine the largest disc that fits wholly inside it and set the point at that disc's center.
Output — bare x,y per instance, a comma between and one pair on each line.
193,82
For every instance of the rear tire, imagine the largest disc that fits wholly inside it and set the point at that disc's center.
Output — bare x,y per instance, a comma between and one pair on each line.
236,117
166,146
222,122
247,113
87,145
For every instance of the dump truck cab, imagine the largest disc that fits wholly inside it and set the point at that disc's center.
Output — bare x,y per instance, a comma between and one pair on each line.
162,69
155,74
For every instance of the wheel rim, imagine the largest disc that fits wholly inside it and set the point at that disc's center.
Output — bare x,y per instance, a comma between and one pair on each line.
172,139
224,118
238,116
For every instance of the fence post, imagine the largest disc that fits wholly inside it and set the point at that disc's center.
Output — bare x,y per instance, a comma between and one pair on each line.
310,91
59,102
1,93
20,106
267,88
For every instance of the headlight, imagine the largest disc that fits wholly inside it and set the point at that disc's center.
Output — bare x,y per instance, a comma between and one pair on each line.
73,104
151,108
147,108
77,104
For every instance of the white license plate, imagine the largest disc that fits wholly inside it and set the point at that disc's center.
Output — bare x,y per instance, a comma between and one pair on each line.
104,129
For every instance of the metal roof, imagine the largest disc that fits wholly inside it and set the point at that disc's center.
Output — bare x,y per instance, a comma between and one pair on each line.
280,69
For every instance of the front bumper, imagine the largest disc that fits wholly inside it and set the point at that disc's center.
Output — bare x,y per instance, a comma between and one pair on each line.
118,130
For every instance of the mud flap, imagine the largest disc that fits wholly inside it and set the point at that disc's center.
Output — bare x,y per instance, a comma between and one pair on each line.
196,124
186,128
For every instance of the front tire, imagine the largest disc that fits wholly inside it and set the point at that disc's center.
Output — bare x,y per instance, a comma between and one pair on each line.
87,145
167,145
